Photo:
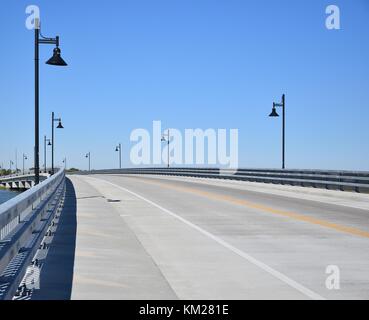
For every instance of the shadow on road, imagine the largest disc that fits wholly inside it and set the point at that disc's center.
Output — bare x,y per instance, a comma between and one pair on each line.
57,270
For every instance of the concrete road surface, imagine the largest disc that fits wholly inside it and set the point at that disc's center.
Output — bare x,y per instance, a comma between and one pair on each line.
147,237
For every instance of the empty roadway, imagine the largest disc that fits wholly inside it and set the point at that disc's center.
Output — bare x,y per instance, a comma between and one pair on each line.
160,237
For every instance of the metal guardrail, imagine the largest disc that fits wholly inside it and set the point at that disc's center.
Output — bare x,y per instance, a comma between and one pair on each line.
24,221
21,177
20,182
357,181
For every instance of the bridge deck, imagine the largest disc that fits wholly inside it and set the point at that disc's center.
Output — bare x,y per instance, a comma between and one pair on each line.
149,237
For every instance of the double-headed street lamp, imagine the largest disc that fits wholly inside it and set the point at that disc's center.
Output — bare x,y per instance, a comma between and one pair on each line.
166,138
24,158
55,60
88,155
60,126
275,114
119,149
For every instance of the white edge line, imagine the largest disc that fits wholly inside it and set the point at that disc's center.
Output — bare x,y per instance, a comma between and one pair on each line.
292,283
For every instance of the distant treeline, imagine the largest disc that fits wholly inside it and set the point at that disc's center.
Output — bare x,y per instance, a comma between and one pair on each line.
5,172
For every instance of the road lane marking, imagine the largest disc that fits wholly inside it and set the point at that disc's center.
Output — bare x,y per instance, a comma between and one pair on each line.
280,276
292,215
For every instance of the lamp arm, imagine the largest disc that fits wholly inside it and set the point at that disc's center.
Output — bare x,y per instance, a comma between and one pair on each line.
278,104
44,40
47,40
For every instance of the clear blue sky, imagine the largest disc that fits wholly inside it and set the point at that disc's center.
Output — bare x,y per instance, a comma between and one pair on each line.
191,64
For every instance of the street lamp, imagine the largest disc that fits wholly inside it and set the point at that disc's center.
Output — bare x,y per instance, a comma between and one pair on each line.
49,144
88,155
24,158
60,126
65,163
16,161
166,138
119,149
10,166
55,60
274,114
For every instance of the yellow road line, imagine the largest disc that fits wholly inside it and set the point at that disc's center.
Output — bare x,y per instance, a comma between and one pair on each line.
245,203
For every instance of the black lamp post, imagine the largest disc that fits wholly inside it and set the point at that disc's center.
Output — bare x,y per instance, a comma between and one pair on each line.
49,144
88,155
24,158
55,60
16,161
166,138
119,149
275,114
60,126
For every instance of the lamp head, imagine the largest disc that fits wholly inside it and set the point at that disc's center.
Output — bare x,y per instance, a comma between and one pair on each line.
274,112
60,126
49,144
56,59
